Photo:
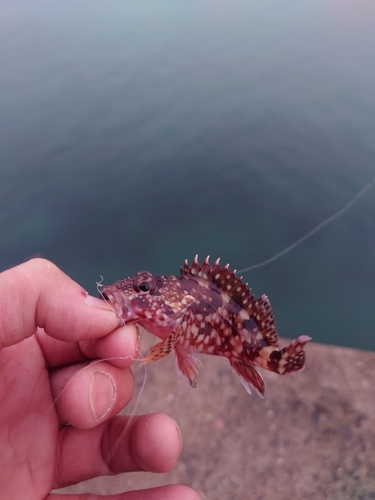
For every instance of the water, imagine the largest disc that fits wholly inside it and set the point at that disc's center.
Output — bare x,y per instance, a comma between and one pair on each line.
136,134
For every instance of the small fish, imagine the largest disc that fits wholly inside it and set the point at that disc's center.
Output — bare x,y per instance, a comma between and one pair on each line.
207,309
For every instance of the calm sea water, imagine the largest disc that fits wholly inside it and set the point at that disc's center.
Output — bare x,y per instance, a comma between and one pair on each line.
136,134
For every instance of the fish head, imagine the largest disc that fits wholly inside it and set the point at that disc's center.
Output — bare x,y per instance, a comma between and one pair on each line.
157,303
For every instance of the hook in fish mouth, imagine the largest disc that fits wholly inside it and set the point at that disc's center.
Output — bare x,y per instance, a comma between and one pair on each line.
105,295
122,305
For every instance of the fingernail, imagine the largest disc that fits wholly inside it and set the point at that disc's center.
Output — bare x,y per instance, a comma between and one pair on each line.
99,303
102,394
201,495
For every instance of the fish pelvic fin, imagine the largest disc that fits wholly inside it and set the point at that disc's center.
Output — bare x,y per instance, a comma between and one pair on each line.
188,367
249,377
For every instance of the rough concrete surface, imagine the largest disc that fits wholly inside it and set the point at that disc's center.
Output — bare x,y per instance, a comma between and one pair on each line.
312,437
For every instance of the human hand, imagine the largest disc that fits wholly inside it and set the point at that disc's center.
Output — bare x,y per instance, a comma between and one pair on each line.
49,330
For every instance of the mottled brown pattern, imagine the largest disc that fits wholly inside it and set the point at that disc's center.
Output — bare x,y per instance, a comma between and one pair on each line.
207,309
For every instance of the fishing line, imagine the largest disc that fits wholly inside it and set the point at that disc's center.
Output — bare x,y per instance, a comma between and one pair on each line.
311,233
277,256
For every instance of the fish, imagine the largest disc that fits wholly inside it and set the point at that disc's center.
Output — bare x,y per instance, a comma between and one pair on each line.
208,310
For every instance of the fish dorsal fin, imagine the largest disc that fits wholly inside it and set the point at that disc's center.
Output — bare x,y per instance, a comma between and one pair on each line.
227,281
262,312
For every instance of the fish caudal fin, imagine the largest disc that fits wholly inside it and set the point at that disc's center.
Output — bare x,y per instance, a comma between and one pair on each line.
249,376
291,359
188,367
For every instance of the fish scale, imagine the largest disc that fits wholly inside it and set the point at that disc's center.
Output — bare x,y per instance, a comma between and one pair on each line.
209,310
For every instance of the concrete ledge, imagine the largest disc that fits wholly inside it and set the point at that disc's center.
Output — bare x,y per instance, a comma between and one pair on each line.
312,437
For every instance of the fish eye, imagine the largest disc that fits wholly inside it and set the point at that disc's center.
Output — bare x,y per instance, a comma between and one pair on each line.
144,286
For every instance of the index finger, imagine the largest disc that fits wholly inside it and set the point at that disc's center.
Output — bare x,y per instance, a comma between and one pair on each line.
38,294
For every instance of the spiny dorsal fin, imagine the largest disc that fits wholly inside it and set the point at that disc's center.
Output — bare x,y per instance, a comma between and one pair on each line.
227,281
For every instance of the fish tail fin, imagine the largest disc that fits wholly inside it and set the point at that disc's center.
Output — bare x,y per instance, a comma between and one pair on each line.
291,359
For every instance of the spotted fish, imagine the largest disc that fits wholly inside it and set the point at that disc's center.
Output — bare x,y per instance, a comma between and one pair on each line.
207,309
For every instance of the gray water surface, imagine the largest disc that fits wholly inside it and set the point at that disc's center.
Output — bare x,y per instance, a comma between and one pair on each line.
136,134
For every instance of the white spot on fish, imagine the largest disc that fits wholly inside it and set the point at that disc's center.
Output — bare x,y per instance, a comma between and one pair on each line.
225,297
205,284
244,314
194,330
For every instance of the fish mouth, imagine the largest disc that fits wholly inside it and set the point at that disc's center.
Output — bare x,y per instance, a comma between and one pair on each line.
122,305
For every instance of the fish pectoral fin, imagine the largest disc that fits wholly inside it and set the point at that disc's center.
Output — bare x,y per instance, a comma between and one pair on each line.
161,349
188,367
248,375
